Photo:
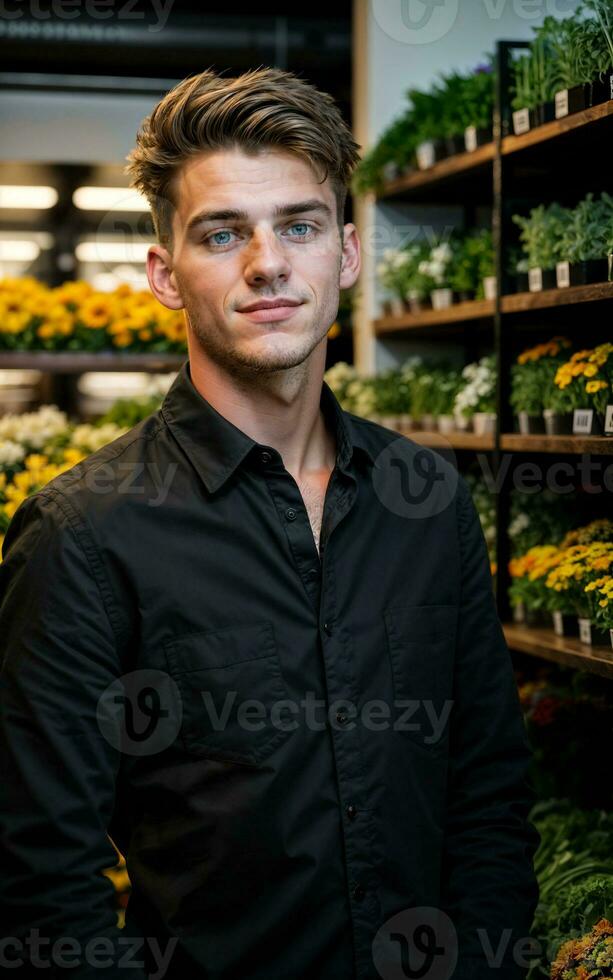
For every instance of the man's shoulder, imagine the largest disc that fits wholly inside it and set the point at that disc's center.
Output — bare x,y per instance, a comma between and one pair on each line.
98,477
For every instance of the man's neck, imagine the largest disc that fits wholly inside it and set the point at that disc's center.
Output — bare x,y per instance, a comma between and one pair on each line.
284,413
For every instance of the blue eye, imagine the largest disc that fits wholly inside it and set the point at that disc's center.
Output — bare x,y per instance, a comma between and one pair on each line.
216,233
301,224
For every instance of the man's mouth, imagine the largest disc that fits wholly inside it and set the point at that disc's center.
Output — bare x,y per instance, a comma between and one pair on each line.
264,311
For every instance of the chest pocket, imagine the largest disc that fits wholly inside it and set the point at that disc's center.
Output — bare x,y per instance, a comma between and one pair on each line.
421,646
230,680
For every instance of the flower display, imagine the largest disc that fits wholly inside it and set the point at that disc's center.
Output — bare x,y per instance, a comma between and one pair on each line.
587,958
75,317
587,377
532,375
477,394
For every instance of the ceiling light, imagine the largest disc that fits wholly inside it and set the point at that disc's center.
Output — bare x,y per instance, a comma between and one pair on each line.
92,251
109,199
19,250
24,197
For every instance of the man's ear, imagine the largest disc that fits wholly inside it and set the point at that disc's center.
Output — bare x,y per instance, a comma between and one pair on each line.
162,279
351,259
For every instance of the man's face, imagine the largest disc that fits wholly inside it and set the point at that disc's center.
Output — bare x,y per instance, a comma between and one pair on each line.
222,264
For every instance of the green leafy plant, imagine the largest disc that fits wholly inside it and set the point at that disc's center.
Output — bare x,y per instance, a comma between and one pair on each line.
541,235
588,231
473,261
534,372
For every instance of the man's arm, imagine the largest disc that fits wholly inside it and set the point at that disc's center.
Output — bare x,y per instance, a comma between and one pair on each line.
488,884
59,652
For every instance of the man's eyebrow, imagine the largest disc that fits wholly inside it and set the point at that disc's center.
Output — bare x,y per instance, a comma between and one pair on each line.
282,210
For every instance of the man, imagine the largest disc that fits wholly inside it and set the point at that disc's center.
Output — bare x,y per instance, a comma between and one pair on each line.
254,640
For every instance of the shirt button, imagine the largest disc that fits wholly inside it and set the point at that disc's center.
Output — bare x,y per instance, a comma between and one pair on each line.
313,573
265,456
351,812
290,513
328,628
342,717
359,892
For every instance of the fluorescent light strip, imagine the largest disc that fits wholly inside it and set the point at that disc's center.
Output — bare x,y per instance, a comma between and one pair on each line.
96,252
24,197
109,199
19,250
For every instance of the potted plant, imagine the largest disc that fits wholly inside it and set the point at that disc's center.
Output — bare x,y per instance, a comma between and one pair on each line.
392,272
437,269
476,397
579,565
447,383
527,592
427,122
418,285
392,156
477,98
531,376
599,53
473,261
600,595
541,236
409,371
586,381
531,85
585,242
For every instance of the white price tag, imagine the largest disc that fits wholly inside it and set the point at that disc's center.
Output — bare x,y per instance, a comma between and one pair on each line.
426,156
582,421
470,139
561,100
535,280
608,421
585,631
521,121
563,274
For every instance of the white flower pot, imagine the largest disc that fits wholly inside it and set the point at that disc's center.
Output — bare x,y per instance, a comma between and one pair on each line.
463,423
484,423
406,422
519,613
446,424
397,306
428,422
442,299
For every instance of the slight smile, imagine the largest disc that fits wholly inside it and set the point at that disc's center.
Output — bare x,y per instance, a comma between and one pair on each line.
265,313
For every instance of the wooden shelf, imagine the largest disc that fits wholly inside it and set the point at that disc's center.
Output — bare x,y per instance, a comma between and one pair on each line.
565,650
460,165
73,362
458,313
453,440
558,127
600,445
550,298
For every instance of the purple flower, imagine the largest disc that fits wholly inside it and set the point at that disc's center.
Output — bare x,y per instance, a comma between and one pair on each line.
483,69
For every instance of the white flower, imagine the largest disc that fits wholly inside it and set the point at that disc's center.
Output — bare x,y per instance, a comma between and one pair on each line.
10,453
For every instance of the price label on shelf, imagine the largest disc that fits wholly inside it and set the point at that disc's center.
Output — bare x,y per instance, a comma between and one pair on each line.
535,280
470,139
521,121
608,421
563,275
582,421
562,103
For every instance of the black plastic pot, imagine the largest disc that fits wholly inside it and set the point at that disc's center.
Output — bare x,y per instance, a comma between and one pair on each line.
455,145
565,624
600,90
543,113
596,425
558,423
521,282
546,280
530,424
474,137
463,297
434,150
582,273
571,100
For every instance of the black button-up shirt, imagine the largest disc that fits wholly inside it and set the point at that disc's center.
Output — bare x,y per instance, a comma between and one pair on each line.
302,758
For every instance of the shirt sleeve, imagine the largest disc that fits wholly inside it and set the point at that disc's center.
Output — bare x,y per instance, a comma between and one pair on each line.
59,652
489,886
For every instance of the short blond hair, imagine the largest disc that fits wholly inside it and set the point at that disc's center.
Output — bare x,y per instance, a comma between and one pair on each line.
262,108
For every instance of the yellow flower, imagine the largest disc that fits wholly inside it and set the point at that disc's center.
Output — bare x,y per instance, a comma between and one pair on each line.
593,386
96,311
590,370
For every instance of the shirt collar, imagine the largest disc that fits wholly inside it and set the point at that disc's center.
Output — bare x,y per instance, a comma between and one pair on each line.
217,447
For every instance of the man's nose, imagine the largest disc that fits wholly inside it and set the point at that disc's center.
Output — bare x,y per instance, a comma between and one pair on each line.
266,259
